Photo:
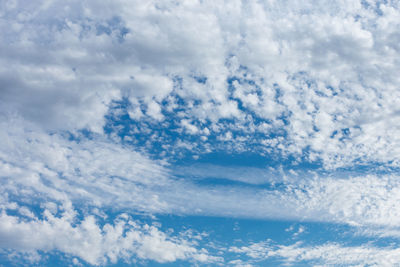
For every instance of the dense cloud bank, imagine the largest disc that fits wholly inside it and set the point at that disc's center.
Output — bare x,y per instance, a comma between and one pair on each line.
317,80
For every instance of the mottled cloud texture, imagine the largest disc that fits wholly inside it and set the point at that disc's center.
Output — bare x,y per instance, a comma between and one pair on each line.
100,100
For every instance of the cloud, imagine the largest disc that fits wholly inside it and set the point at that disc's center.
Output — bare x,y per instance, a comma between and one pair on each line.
123,239
98,171
320,255
92,93
36,166
318,80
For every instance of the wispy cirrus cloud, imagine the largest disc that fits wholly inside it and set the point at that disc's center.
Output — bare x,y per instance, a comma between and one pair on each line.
322,255
102,173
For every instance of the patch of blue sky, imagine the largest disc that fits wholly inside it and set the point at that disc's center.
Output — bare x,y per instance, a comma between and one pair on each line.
168,132
115,25
163,137
375,5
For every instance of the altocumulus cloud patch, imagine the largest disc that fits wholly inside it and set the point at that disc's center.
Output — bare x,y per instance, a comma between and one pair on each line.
239,133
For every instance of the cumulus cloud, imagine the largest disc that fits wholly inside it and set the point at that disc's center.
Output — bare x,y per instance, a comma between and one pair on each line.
123,239
91,93
323,75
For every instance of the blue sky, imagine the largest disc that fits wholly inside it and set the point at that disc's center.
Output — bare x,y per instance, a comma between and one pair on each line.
199,133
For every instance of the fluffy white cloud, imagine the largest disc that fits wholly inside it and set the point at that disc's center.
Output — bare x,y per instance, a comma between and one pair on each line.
123,239
317,81
323,75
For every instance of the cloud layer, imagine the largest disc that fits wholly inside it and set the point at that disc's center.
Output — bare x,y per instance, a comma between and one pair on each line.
98,101
289,78
331,254
105,174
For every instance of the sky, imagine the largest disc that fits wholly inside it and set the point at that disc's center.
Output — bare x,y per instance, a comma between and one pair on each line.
199,133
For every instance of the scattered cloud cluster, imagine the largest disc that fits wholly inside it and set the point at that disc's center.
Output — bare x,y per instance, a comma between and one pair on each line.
36,166
316,81
97,99
123,239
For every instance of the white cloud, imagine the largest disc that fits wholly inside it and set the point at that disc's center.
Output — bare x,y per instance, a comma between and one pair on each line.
364,200
37,166
321,255
95,171
123,239
317,81
329,68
